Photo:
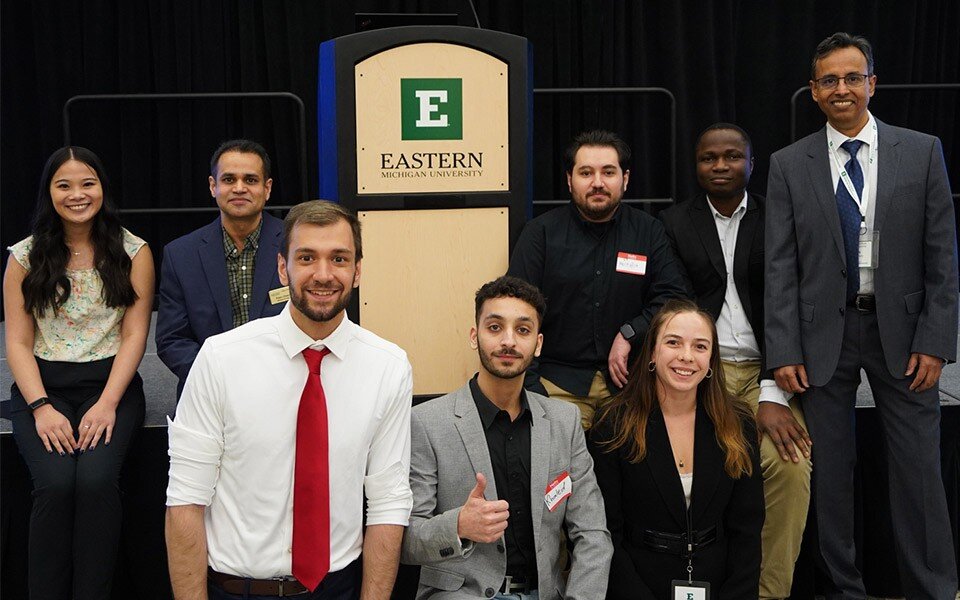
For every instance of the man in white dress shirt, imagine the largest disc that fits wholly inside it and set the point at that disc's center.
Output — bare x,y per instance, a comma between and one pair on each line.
238,520
718,237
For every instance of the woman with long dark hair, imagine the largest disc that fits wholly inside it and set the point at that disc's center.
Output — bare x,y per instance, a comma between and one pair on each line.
77,297
677,462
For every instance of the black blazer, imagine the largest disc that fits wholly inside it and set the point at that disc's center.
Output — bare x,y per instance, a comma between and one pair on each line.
693,234
648,495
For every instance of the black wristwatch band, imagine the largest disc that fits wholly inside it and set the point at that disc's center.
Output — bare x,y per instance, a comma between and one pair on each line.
628,332
38,403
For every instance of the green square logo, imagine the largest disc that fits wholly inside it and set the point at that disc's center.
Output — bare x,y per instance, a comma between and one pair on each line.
431,109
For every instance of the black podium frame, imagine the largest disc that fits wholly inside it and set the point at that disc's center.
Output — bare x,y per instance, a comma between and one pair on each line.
336,105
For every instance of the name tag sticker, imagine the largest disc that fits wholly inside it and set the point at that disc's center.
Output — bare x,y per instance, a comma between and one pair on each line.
280,294
558,490
634,264
690,590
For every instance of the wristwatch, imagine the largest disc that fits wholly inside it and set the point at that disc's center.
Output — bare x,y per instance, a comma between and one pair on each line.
628,332
38,403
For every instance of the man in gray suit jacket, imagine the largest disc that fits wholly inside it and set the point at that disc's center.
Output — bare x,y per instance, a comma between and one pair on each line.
498,474
861,272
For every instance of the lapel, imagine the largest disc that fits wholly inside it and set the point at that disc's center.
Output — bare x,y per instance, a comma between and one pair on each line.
540,450
818,171
749,226
702,218
665,476
265,265
470,428
888,164
707,464
214,265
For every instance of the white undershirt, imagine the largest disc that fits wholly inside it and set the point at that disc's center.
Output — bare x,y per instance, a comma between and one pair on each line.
232,445
686,480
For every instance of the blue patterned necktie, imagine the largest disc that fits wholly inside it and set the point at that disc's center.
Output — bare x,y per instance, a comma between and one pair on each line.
850,216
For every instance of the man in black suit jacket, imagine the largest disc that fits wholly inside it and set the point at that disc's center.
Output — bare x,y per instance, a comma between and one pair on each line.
718,238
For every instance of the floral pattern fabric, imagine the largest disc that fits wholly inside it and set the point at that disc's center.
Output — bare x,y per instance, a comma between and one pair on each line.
83,329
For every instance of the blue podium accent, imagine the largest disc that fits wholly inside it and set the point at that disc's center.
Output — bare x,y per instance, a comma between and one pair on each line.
327,123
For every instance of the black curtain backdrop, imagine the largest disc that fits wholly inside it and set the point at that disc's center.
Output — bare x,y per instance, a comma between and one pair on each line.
727,60
724,60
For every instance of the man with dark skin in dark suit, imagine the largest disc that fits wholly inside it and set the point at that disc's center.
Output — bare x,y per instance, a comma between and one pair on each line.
718,239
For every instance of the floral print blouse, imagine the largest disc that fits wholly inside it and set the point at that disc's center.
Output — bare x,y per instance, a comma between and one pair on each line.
83,329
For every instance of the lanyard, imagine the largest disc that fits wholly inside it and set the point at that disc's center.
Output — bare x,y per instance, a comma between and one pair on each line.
845,178
689,547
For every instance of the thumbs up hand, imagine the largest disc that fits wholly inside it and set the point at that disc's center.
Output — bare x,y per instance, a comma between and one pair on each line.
480,520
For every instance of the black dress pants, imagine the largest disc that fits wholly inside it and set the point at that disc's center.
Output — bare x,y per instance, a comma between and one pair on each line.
75,519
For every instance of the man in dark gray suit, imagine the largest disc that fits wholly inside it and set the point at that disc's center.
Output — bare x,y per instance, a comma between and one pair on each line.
498,474
861,272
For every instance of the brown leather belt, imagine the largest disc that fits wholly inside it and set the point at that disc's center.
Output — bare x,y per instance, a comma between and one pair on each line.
234,584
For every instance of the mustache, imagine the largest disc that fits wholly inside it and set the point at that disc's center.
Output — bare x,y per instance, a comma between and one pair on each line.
510,353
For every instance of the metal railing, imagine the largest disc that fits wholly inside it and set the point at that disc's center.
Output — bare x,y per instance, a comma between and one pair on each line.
626,91
301,117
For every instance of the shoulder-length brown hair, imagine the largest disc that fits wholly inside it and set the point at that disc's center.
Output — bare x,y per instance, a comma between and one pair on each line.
630,410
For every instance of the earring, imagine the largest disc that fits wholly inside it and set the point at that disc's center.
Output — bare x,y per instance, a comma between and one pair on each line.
652,366
709,373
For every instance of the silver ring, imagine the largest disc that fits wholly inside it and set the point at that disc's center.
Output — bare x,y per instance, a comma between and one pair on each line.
86,427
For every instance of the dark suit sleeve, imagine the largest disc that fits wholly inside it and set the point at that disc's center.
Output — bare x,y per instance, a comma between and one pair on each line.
781,299
527,263
625,581
666,281
937,325
177,344
743,521
668,218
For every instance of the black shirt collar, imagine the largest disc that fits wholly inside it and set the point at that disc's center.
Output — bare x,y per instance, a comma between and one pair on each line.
597,229
488,410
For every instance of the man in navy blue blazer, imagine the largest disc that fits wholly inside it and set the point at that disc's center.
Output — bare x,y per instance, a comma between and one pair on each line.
225,273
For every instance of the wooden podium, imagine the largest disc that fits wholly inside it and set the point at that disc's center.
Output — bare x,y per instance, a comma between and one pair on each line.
425,132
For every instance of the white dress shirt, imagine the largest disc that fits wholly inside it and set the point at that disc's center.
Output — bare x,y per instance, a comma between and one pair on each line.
867,136
734,332
737,342
233,443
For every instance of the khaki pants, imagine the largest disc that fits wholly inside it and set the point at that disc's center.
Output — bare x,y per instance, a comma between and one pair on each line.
589,404
786,490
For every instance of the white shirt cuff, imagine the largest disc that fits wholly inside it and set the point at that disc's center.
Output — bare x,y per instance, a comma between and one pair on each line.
194,465
769,392
389,498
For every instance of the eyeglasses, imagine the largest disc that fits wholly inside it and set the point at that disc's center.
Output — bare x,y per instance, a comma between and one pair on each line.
852,80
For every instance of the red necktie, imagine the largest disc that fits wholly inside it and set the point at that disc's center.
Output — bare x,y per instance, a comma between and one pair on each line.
311,480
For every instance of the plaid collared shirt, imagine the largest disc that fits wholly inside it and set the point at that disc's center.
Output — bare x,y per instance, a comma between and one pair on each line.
240,273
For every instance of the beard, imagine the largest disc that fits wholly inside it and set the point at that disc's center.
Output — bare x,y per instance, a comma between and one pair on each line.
487,360
597,211
299,300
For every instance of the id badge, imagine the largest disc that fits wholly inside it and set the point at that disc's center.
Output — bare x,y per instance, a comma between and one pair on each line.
681,589
869,249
